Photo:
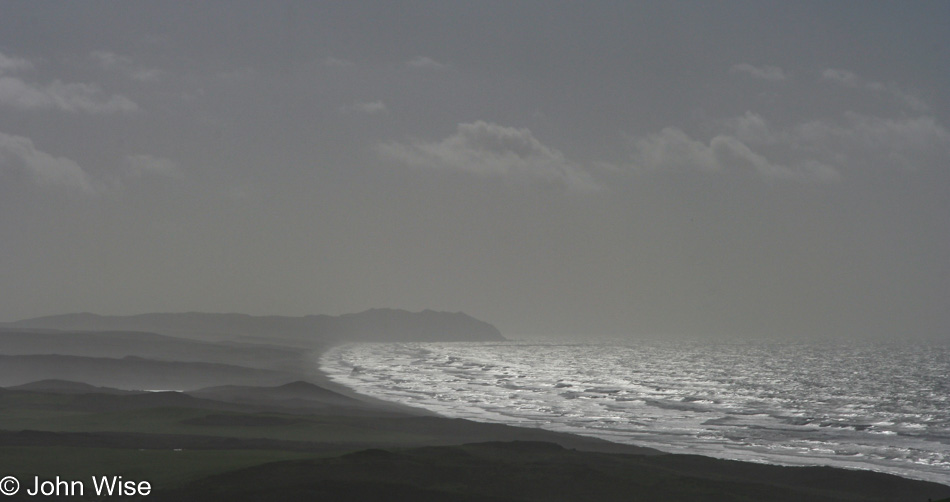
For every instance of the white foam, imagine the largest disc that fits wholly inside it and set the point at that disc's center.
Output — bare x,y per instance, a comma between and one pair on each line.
780,404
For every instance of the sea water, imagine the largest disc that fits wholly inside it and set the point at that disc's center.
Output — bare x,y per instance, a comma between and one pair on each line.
879,407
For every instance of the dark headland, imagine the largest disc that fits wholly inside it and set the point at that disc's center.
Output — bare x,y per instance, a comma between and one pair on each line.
256,421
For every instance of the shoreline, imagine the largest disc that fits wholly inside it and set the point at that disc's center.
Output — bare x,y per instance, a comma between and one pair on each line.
302,441
322,379
760,459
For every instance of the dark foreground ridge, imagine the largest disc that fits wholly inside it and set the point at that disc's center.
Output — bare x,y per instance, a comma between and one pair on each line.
543,472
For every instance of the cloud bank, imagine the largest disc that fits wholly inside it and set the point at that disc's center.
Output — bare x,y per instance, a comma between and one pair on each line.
817,150
368,107
10,64
70,97
425,62
143,164
332,61
18,155
770,73
115,62
487,149
850,79
671,148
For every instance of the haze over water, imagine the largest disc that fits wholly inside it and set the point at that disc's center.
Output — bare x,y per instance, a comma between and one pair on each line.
883,407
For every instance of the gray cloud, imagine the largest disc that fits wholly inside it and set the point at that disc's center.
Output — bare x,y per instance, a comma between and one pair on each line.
109,60
146,74
124,64
70,97
425,62
8,64
143,164
850,79
332,61
18,154
488,149
841,77
751,128
818,150
368,107
866,140
771,73
671,148
853,140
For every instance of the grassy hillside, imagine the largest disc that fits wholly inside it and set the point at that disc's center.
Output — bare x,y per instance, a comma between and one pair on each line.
131,372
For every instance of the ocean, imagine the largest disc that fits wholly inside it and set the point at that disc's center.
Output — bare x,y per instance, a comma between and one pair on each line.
880,407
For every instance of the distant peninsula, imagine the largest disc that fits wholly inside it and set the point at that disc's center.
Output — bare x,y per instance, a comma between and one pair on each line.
374,325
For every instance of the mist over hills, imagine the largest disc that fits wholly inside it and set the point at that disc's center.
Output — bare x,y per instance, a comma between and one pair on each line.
193,350
130,372
187,351
119,344
374,325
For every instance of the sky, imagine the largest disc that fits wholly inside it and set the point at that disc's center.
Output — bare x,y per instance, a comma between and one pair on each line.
751,169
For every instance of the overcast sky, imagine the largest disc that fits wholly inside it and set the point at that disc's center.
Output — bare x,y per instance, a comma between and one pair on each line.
703,168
